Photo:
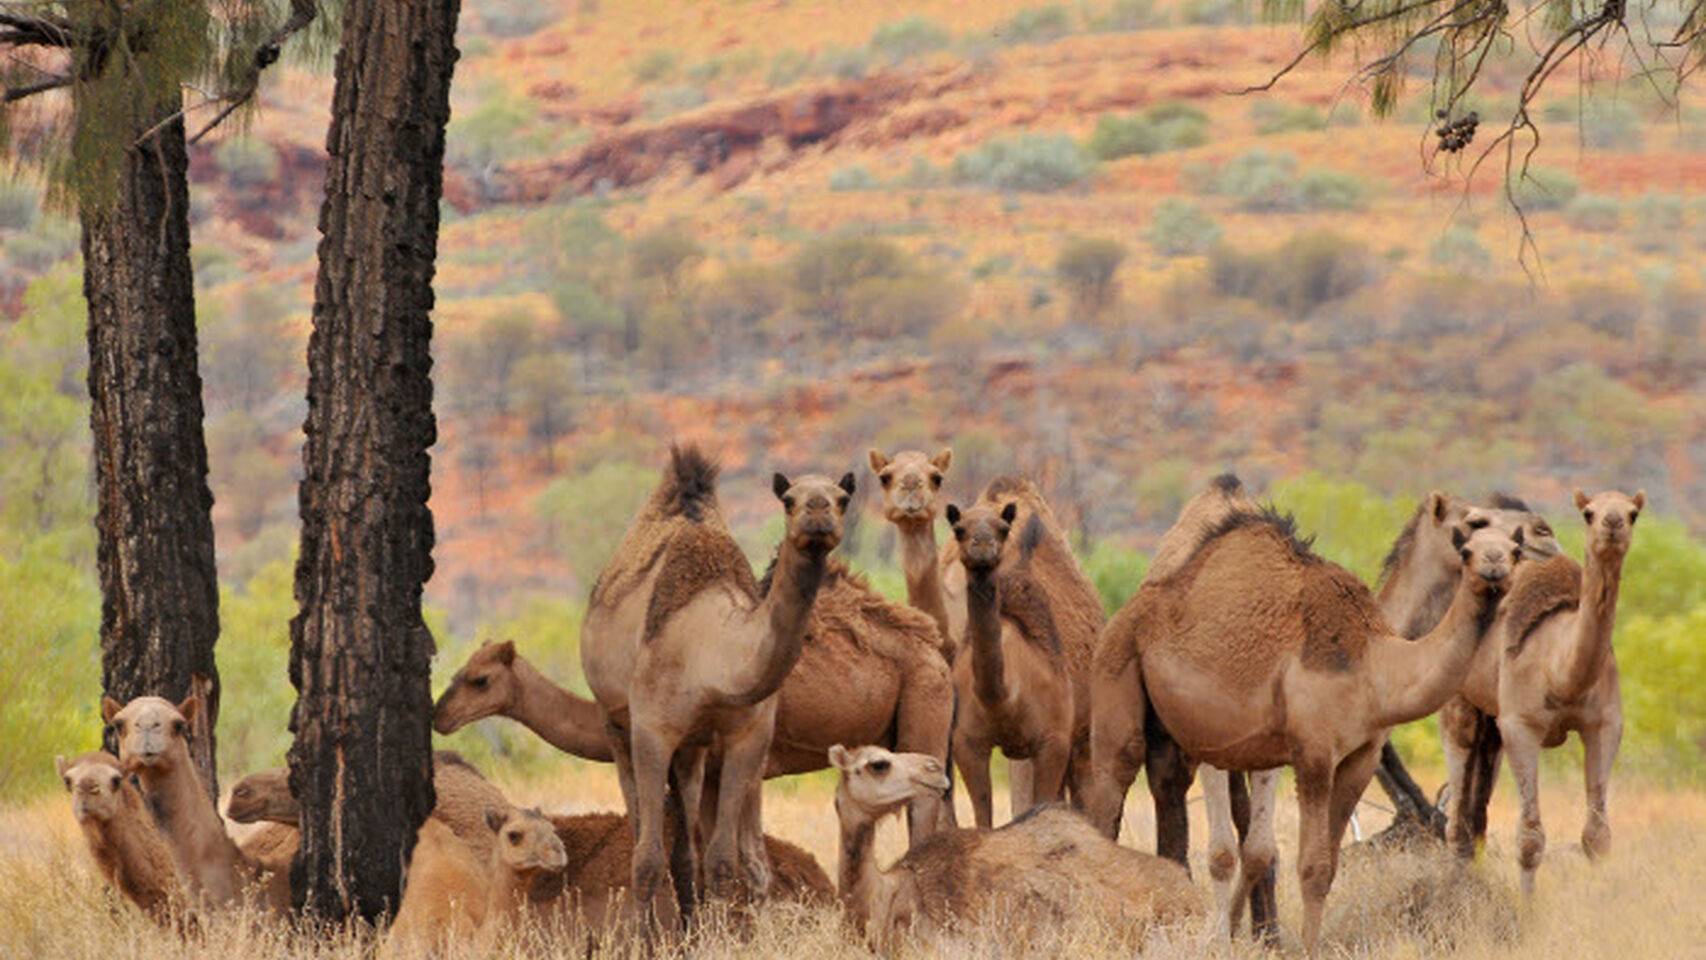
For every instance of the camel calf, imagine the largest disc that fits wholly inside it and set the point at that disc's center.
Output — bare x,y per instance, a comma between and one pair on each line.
128,848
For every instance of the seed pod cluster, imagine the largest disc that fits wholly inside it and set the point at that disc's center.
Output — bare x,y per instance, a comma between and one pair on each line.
1456,134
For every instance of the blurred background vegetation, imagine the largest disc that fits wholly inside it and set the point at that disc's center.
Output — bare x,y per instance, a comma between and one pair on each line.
1073,256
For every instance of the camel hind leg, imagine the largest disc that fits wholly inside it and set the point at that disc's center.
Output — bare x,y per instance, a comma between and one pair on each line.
1222,847
1021,782
1600,745
652,758
1117,747
924,723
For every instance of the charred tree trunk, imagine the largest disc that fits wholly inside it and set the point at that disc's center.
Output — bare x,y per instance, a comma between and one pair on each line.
159,587
360,655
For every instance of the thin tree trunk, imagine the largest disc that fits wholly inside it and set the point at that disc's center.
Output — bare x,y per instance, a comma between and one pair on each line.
360,656
159,586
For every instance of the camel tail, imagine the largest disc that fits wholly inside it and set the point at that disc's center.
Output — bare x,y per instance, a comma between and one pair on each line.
690,484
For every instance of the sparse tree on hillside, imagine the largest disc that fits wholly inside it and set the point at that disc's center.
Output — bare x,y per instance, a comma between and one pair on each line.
664,255
249,348
1088,268
544,394
360,651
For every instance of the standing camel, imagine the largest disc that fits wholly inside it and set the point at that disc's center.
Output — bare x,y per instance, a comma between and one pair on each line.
1551,670
1256,654
681,654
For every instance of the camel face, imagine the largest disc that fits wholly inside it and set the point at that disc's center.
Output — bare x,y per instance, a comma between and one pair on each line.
262,796
1610,517
982,532
149,729
1508,514
1489,553
95,783
484,687
911,482
527,843
815,506
881,780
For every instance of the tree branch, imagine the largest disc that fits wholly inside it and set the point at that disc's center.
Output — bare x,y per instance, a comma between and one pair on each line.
14,94
35,30
302,13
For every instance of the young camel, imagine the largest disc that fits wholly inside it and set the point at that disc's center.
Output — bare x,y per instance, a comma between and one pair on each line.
1256,653
128,847
153,745
1042,868
912,485
1552,670
680,652
1011,676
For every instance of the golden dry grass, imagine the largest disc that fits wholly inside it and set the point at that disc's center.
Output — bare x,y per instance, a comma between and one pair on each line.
1384,905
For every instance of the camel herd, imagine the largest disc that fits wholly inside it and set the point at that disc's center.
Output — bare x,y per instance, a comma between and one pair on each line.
1243,651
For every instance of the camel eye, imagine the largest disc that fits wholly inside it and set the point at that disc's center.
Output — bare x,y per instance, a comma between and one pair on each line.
879,767
67,782
116,782
788,503
180,728
885,479
936,481
1587,515
1477,523
841,502
1633,516
515,838
1542,530
478,683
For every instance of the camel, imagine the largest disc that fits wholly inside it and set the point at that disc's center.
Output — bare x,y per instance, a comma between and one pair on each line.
1041,868
496,682
1255,653
153,745
446,893
680,651
1551,670
1011,675
912,483
128,847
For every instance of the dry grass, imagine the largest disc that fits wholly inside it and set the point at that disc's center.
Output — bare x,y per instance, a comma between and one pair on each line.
1385,904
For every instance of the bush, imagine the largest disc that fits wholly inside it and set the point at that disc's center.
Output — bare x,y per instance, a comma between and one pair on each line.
852,178
1458,248
657,64
1610,125
247,161
493,132
668,101
1116,572
1659,221
664,255
1124,16
34,251
1261,181
1087,268
909,37
1332,190
1272,116
1036,25
908,306
1165,127
1608,306
515,18
844,63
1544,188
824,272
1299,276
1029,162
1181,229
19,205
1594,213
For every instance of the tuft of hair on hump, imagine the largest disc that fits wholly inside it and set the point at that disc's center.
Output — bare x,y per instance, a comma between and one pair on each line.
1227,483
450,758
690,484
1500,500
1282,524
1031,537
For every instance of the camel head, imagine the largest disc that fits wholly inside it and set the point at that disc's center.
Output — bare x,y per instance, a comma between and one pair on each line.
527,842
1509,514
1610,517
96,784
982,531
879,782
151,731
911,481
263,796
814,506
485,686
1489,554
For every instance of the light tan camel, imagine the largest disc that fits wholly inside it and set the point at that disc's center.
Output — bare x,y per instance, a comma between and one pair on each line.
680,652
129,849
1040,869
1013,681
1256,653
912,487
496,682
1551,670
445,894
153,745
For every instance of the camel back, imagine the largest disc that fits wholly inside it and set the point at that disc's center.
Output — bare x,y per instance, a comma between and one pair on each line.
1201,516
847,608
1539,590
1074,605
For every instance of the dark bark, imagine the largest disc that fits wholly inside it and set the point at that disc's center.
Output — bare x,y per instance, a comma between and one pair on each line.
159,586
361,764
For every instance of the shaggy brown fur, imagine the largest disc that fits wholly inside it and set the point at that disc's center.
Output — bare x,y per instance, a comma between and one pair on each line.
1538,591
268,850
1023,598
697,558
129,850
684,499
847,606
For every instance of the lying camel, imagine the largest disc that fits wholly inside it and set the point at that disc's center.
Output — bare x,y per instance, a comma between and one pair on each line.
128,847
153,745
1552,670
1042,868
445,894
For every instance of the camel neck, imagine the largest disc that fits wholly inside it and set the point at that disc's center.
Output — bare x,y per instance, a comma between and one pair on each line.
1414,599
859,881
783,617
920,560
571,724
1415,678
983,633
508,893
132,851
205,853
1596,616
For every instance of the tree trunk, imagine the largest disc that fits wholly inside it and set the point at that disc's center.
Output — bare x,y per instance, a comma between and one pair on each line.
159,587
360,655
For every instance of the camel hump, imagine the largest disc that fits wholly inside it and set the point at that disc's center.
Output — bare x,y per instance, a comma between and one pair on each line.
696,558
1025,602
1199,517
689,486
1268,519
847,607
1539,590
797,874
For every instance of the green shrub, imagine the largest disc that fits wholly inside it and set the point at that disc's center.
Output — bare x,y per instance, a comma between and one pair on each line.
1181,229
1659,221
668,101
909,37
665,255
906,306
1332,190
247,161
494,131
788,67
1608,306
1610,125
657,64
19,205
1216,13
1298,277
1594,213
1261,181
1544,188
1036,25
852,178
1087,267
1124,16
1458,248
1116,571
1273,116
34,251
844,63
1030,162
1164,127
824,272
921,174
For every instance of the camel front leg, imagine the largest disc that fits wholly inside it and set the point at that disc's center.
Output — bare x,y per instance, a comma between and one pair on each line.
1522,746
1601,745
924,723
652,755
1457,737
1258,851
744,754
1222,846
1315,854
1350,780
1116,744
1048,774
972,758
1021,787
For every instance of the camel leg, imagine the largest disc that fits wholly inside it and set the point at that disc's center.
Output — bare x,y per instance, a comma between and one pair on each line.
1222,846
1170,775
1116,744
1483,774
973,760
744,754
1258,852
1457,738
1048,774
1315,854
1523,749
652,758
1349,782
924,721
622,754
681,813
1601,745
1021,781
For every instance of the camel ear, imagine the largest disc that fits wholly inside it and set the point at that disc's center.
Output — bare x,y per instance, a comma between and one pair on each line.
109,709
941,460
780,485
847,483
495,818
840,757
505,652
60,765
1458,538
190,707
953,514
1582,500
1437,506
1518,536
1010,512
878,461
1640,499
